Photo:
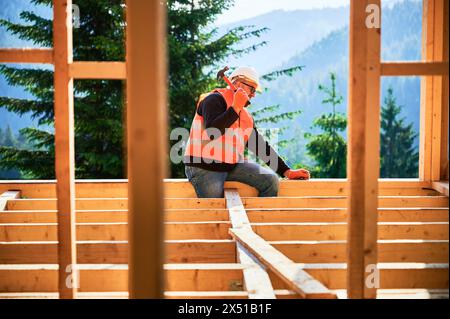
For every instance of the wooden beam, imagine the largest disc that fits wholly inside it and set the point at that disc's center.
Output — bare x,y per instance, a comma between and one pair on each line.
64,147
441,93
223,251
98,70
441,187
5,197
218,203
363,146
213,277
256,279
255,215
181,188
26,55
146,135
218,231
414,68
298,280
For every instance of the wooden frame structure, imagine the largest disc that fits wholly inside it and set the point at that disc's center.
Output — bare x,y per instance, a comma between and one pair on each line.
84,225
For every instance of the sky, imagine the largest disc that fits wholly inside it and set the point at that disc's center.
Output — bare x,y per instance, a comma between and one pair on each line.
244,9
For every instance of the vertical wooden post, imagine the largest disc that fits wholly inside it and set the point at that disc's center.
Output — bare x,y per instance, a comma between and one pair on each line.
146,126
433,164
426,96
363,149
64,148
439,163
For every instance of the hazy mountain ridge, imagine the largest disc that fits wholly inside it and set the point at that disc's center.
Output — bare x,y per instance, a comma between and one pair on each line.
401,40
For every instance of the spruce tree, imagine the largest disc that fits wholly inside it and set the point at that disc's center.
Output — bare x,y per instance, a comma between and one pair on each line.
329,148
399,156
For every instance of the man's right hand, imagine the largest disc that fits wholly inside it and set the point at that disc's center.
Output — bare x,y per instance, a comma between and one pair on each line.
240,100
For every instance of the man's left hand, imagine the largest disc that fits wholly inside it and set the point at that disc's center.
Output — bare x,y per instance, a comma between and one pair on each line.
297,174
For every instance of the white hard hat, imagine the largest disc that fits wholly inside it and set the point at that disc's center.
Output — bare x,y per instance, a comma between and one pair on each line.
249,73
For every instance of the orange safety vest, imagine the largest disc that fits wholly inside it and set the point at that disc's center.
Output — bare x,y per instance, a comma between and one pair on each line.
226,148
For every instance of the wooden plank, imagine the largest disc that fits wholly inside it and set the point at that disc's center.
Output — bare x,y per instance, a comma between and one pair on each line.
414,68
392,275
264,215
280,293
26,55
64,147
424,251
98,70
5,197
181,188
298,280
441,187
338,231
256,280
223,251
212,230
213,277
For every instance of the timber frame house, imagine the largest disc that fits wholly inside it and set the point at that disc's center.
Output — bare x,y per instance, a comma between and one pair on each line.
149,237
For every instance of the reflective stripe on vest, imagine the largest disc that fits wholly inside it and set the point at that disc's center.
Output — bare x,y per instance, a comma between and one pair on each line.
226,148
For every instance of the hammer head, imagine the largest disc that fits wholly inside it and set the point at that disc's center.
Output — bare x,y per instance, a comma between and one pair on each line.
221,73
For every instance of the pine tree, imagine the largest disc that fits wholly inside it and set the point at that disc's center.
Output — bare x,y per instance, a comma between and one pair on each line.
399,156
8,140
98,103
329,148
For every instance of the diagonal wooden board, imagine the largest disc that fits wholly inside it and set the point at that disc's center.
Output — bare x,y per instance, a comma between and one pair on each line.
256,280
299,280
7,196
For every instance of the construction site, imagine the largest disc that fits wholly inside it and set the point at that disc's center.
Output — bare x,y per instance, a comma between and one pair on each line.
363,237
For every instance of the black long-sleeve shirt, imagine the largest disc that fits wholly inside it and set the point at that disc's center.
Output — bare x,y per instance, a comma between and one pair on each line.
216,116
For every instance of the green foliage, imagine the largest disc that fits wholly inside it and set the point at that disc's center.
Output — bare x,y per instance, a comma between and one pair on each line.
329,148
98,104
399,156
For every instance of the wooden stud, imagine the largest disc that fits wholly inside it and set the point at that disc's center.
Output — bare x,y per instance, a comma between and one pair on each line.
26,55
98,70
363,147
146,136
414,68
64,147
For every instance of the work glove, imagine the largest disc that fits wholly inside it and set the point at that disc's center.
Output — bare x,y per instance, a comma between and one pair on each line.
297,174
240,100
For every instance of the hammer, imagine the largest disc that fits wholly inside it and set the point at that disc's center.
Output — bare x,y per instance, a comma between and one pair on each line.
221,75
